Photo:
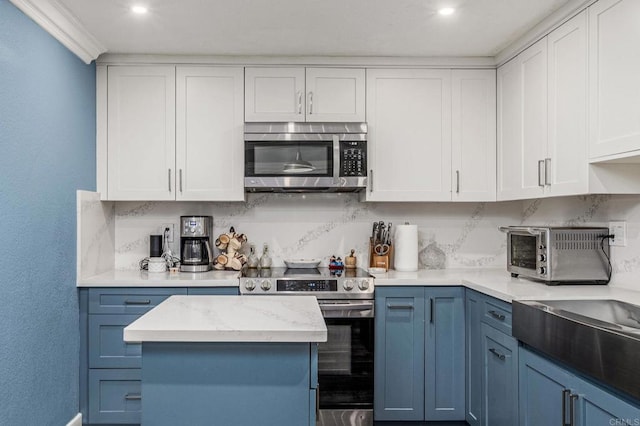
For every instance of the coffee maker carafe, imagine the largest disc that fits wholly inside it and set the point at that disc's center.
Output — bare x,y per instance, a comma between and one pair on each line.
195,243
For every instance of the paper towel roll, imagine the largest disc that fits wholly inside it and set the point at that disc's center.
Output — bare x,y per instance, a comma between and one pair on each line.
406,248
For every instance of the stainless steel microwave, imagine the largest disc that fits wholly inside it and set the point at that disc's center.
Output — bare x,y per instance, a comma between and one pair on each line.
559,255
305,157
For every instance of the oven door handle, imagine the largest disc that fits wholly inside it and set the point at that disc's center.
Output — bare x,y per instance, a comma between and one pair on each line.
346,306
528,230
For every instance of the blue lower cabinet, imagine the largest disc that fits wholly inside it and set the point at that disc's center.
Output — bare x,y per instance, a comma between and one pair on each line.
419,354
499,377
473,351
399,353
240,384
107,349
550,394
445,349
114,396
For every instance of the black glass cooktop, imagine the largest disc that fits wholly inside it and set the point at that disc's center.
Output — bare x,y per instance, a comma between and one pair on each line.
305,273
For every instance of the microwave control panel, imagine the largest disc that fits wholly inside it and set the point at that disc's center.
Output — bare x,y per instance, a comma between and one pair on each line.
353,158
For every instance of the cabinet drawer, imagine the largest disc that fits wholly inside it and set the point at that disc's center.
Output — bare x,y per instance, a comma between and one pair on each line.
497,314
114,396
128,300
107,349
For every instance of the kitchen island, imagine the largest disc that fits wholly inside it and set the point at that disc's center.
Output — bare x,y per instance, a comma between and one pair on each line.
209,360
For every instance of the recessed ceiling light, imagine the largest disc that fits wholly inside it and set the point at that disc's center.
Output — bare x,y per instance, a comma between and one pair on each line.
140,10
445,11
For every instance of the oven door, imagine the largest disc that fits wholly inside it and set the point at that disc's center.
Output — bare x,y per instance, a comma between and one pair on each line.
524,248
345,364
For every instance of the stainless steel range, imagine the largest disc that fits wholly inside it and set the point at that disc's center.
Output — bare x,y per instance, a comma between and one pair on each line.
345,361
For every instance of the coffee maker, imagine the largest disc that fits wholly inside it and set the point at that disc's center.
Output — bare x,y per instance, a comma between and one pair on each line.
195,243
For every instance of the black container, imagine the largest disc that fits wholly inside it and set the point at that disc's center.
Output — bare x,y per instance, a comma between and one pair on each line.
155,245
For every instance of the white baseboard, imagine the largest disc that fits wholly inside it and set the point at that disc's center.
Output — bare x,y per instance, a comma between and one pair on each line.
76,421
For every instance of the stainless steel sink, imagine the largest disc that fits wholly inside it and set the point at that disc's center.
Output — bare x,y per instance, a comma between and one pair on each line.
600,338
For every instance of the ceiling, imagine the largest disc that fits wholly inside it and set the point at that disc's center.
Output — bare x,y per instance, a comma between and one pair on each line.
406,28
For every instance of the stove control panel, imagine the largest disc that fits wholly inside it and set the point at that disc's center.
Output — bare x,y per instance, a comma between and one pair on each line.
328,288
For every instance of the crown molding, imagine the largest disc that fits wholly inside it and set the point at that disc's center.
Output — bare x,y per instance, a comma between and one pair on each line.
544,27
56,19
325,61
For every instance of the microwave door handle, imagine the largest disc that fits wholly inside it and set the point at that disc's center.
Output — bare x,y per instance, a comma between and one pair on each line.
336,159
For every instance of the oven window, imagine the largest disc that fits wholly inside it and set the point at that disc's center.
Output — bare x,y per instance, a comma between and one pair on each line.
345,364
291,158
523,251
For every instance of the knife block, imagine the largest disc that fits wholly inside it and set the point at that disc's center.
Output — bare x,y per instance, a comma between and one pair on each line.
377,261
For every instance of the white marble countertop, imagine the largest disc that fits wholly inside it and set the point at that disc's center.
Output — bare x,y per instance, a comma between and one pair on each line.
136,278
499,284
231,319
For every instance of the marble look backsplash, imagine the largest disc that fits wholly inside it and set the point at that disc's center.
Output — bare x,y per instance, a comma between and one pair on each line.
451,235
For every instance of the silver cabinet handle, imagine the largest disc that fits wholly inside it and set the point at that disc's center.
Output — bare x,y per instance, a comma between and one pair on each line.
565,394
310,103
299,101
540,166
572,409
137,302
496,315
133,397
371,180
547,171
457,181
169,180
180,180
399,306
500,356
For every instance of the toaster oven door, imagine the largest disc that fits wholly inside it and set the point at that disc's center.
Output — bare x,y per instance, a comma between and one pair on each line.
525,253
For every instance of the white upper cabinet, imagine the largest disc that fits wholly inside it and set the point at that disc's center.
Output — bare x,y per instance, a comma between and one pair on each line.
566,167
522,124
409,117
614,78
209,133
141,133
173,135
473,135
305,94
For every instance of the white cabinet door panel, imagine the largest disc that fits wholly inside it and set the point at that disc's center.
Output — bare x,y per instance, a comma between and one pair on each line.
473,134
567,170
274,94
335,94
409,116
209,140
509,90
141,133
614,77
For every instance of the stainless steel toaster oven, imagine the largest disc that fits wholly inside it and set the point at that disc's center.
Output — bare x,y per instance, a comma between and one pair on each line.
559,255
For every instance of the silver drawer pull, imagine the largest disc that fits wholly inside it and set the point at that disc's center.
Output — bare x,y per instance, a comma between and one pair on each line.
500,356
390,306
137,302
497,315
133,397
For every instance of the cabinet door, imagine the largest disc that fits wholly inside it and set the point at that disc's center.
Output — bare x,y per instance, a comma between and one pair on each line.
274,94
499,377
567,160
409,116
543,391
598,407
209,134
473,337
444,373
141,133
509,89
473,135
335,94
399,354
614,77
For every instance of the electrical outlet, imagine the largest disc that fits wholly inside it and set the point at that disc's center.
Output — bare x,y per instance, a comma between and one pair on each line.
171,227
619,230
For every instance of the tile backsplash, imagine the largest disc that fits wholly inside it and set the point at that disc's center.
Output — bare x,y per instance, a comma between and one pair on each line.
451,235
